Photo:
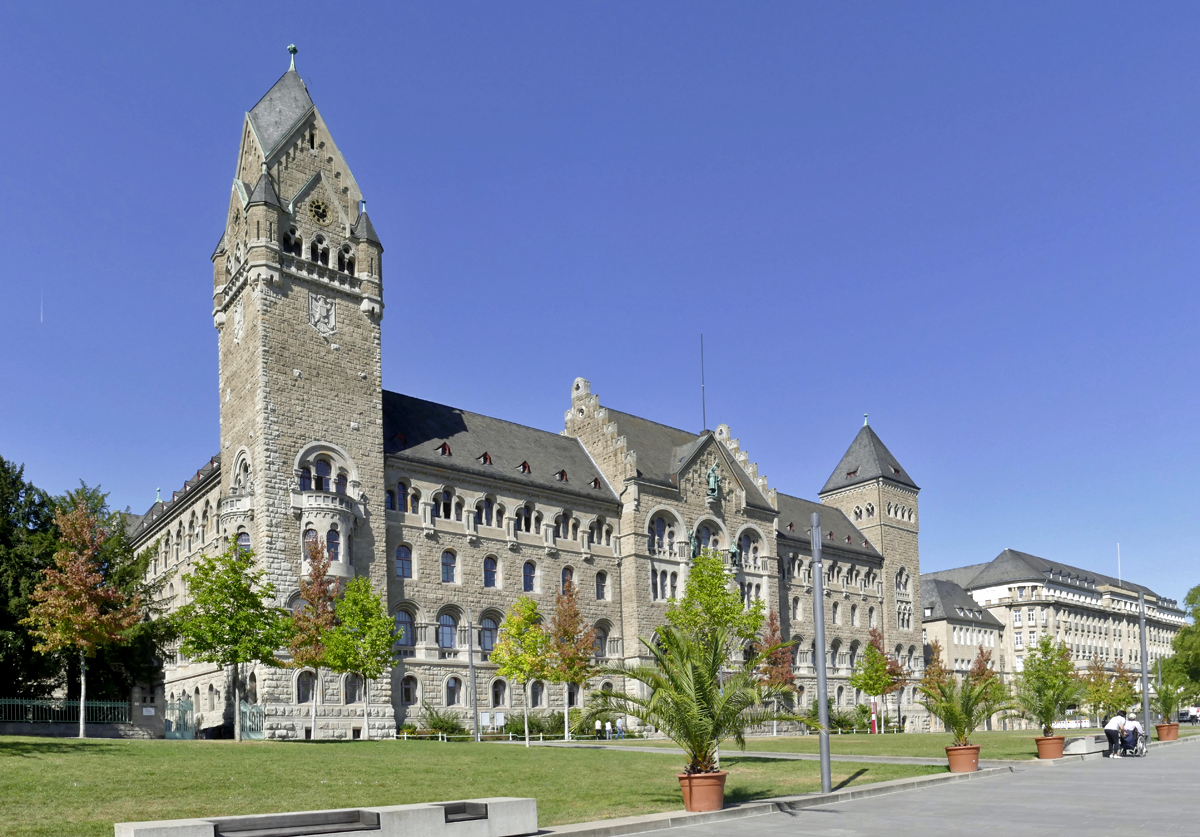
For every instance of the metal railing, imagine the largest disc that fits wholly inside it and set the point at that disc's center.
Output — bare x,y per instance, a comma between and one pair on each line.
20,710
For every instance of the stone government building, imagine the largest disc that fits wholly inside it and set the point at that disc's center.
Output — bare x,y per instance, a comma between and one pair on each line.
454,515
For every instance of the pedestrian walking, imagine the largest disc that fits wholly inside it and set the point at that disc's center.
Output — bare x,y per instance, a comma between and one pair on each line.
620,727
608,730
1114,730
597,729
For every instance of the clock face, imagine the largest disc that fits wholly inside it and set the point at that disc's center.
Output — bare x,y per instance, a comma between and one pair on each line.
319,210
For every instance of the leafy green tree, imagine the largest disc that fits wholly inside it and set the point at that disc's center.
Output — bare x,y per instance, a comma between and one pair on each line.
522,650
362,640
1186,645
1097,690
312,622
28,540
572,644
74,608
692,696
871,675
229,620
1047,686
1122,689
710,605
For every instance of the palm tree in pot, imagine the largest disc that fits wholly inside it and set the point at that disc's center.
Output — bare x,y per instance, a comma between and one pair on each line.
1165,701
697,702
962,706
1045,690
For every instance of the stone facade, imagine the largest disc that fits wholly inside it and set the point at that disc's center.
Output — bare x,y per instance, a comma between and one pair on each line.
454,515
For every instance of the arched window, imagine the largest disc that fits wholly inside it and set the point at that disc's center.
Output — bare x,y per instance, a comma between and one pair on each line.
414,502
408,690
537,692
487,634
499,516
858,513
354,689
674,582
653,584
292,242
601,585
318,251
662,583
322,470
600,645
854,616
748,547
340,485
453,691
661,530
447,632
389,500
572,695
406,633
870,510
489,571
312,542
566,579
524,518
458,510
483,512
708,538
333,544
870,617
499,693
448,566
346,260
528,573
243,544
304,687
834,612
796,609
213,697
403,562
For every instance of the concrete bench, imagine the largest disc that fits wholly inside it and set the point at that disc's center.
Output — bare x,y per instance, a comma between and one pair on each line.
503,816
1081,745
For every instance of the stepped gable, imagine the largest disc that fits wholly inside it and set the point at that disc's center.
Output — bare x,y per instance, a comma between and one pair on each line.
663,451
839,533
285,104
867,459
947,600
416,429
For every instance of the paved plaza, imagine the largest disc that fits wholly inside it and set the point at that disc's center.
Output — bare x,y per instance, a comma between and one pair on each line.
1157,795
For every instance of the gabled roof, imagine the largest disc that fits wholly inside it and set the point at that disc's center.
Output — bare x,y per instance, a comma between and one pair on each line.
797,513
364,229
264,192
160,508
947,600
866,459
962,576
286,103
416,429
663,451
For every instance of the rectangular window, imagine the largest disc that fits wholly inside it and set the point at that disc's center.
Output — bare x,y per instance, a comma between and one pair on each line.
1017,640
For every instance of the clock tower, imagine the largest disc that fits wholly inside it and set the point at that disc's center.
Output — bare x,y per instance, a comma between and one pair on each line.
297,303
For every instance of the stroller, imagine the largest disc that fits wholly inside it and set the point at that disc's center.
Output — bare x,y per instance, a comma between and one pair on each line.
1132,747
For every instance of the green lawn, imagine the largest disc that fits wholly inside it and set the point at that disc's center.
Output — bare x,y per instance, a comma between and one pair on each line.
995,745
62,787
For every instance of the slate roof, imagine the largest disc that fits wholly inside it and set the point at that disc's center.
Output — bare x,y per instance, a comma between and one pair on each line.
264,192
162,507
285,104
662,451
1012,566
866,459
945,598
798,513
416,429
364,229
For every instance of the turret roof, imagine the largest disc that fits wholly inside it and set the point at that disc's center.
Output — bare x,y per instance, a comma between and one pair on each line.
866,459
286,103
264,192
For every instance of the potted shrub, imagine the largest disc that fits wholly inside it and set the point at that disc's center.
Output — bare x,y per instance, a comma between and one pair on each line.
697,702
1044,691
962,706
1165,701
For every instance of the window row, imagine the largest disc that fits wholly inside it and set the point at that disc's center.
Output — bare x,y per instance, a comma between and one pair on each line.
449,642
321,477
318,250
499,693
900,512
531,576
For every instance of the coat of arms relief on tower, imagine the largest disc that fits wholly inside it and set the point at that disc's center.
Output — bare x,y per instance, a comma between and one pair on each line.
322,314
239,322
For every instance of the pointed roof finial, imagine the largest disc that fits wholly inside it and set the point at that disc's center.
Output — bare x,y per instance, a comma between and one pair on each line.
158,491
864,419
293,50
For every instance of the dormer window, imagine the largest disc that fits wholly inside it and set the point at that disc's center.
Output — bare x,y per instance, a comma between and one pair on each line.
895,470
596,483
853,473
524,468
791,527
485,459
561,476
444,449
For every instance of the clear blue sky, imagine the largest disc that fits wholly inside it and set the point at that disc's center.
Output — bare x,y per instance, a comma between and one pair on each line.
976,222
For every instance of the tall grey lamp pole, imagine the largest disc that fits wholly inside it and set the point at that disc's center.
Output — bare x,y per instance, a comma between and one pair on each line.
471,672
1145,662
819,620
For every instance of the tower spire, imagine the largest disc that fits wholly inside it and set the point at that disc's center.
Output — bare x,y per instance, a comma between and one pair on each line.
864,419
292,48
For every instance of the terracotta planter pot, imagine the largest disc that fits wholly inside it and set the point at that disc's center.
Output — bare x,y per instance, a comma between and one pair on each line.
703,791
963,759
1050,746
1167,732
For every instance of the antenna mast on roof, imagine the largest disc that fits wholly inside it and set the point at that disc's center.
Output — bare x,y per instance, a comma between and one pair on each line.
703,405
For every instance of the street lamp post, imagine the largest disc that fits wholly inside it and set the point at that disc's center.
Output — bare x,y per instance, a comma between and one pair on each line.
819,620
1145,663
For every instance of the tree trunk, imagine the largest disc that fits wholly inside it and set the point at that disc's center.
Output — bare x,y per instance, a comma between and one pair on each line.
82,695
316,691
366,707
237,704
526,702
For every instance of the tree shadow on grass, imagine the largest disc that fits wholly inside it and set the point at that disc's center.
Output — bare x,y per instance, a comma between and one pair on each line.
30,748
